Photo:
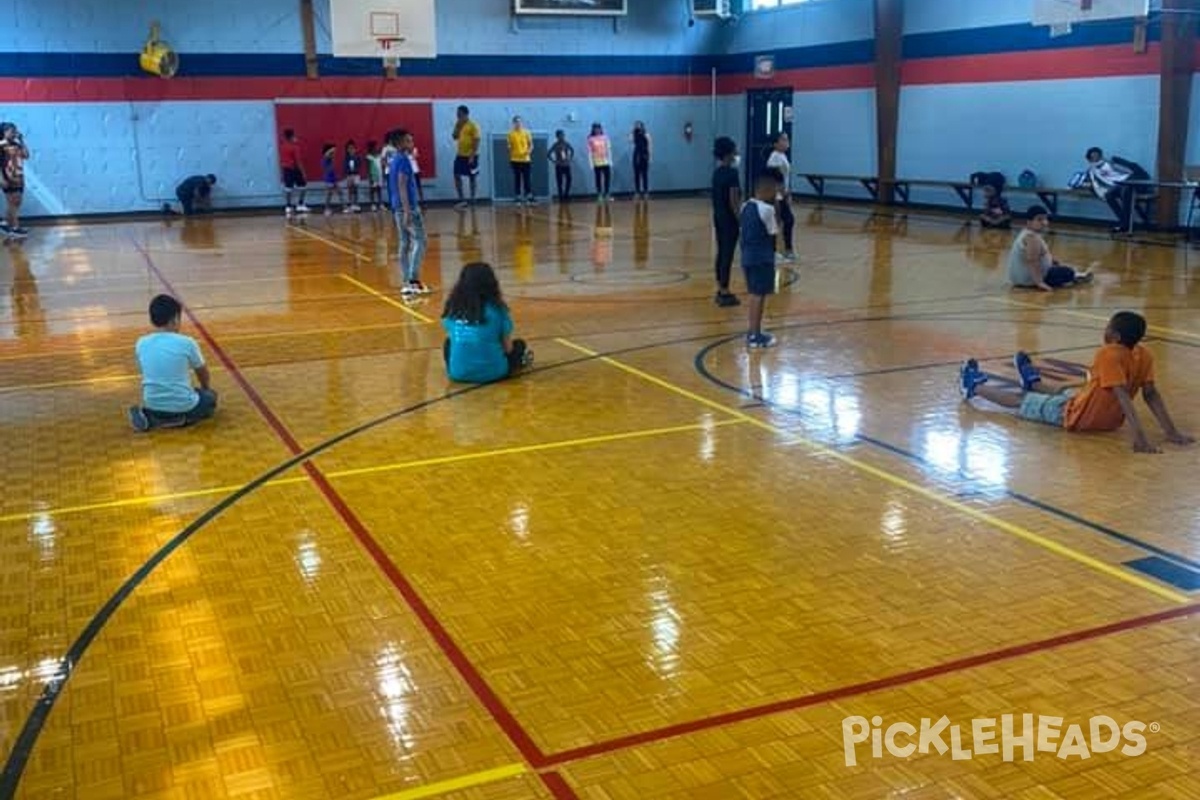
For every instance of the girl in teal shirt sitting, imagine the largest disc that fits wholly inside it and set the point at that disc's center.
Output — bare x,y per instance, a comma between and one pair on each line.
479,346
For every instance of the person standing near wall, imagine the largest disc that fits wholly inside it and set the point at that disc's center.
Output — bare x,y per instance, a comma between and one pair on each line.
466,159
520,157
600,156
641,160
293,173
561,155
727,204
13,154
779,161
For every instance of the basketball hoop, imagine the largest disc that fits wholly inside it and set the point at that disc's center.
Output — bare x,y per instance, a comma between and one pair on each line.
388,49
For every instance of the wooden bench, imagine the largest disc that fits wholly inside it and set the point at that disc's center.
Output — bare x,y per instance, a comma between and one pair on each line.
1143,203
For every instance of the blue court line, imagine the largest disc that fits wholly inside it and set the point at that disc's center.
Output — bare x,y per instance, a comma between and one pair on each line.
1171,574
702,369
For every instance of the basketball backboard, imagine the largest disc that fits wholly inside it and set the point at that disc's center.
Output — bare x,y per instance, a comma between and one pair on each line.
357,26
1070,12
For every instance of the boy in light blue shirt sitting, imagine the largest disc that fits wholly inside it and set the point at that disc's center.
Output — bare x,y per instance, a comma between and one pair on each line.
166,359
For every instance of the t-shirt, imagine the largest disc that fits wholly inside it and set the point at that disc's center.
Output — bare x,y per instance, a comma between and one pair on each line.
758,233
289,155
353,165
779,161
599,150
12,159
561,153
375,167
477,350
402,177
468,139
1018,267
327,168
724,180
520,146
389,153
195,185
166,360
1096,407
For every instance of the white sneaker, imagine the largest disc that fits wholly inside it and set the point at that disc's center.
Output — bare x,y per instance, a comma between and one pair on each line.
461,204
328,211
780,258
288,211
302,209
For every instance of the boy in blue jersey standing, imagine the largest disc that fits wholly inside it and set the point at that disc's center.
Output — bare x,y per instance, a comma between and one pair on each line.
758,229
404,197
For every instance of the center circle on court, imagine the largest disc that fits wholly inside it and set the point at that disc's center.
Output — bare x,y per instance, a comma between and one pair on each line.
641,278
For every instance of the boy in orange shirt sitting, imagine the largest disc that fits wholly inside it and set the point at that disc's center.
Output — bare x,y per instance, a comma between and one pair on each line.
1121,368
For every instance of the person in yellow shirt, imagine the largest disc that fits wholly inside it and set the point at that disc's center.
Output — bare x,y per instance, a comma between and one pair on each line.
520,157
466,159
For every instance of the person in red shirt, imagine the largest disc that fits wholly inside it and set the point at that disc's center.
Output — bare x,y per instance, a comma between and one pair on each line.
1122,368
293,173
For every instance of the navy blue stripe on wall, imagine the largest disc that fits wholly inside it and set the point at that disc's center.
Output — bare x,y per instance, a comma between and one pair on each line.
1017,38
837,54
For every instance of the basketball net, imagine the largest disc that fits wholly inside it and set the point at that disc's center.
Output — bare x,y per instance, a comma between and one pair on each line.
389,53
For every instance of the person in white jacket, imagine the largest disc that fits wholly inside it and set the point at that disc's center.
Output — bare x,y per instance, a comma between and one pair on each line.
1108,180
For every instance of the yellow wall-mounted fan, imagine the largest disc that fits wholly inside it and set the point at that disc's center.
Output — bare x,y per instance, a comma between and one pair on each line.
157,57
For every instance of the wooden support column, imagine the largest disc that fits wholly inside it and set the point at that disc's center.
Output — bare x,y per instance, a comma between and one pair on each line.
309,26
1175,95
889,31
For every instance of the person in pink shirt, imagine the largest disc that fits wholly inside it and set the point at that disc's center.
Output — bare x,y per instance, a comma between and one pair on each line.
600,156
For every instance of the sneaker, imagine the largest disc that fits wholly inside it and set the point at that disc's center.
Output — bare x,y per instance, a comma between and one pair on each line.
328,211
409,288
347,209
527,359
18,233
138,419
531,200
758,341
288,211
727,300
789,256
1030,374
461,205
421,288
1084,277
970,378
780,258
302,209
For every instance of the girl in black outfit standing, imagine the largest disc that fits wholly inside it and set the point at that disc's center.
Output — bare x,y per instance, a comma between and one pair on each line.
641,160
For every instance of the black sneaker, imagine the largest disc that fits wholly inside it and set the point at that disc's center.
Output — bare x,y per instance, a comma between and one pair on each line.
138,419
727,299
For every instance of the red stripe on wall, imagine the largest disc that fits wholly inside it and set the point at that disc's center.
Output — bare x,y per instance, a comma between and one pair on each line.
1036,65
814,79
68,90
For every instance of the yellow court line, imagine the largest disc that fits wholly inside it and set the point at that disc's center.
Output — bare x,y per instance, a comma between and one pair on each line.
29,387
335,245
896,480
458,784
1085,315
531,448
391,301
354,472
235,337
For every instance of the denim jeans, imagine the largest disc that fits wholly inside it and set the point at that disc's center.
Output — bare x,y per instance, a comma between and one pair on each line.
412,244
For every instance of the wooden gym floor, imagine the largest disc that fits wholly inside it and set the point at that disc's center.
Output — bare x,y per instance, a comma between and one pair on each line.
657,566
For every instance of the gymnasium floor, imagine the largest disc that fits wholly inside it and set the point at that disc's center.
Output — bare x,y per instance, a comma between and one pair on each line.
657,566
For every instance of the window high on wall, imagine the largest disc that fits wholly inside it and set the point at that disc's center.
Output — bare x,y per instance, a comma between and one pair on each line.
763,5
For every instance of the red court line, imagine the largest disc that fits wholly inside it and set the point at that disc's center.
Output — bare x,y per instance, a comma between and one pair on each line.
471,676
853,690
558,786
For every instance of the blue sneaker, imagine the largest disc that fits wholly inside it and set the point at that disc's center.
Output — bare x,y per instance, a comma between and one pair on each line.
1028,372
138,419
759,341
970,378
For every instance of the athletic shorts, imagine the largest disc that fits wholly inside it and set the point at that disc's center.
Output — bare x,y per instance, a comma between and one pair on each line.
466,166
760,278
1050,409
293,178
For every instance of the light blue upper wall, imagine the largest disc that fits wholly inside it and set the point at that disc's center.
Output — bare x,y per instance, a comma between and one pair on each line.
805,25
465,27
205,26
929,16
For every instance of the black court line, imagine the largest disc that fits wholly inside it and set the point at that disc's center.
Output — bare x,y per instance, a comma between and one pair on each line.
701,367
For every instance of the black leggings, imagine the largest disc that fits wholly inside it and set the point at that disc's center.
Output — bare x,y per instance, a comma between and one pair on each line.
515,358
641,174
522,173
603,179
562,177
787,222
727,239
